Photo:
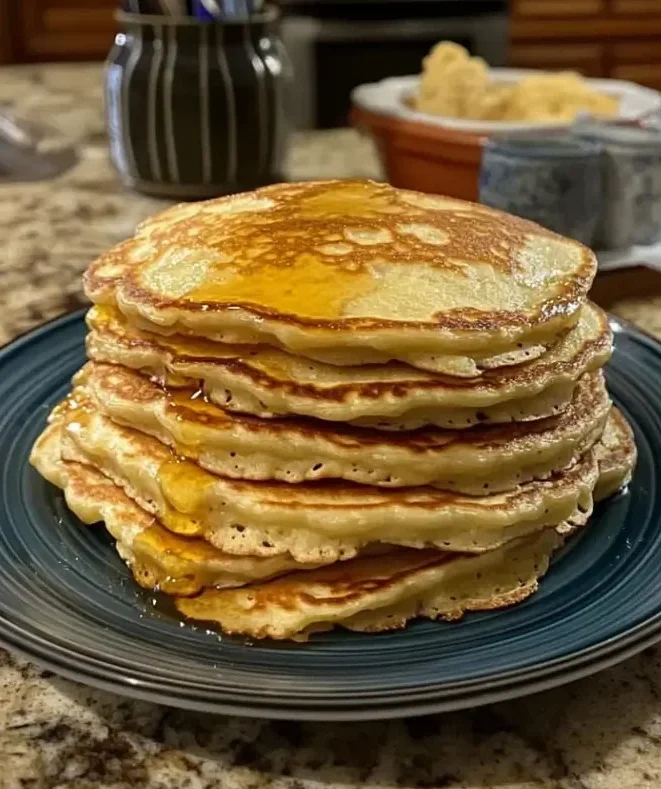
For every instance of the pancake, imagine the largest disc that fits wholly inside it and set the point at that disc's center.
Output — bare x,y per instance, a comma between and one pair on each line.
316,521
372,594
379,593
616,454
476,462
158,558
358,266
269,382
177,566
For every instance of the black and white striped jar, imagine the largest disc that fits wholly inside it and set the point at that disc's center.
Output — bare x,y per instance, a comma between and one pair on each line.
196,109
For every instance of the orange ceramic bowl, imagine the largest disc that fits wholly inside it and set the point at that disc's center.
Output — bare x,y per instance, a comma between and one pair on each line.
443,155
422,156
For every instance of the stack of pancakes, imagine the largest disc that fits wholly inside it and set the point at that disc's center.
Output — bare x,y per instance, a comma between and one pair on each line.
339,403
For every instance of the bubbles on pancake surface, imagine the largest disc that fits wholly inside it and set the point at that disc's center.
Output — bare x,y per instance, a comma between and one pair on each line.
278,253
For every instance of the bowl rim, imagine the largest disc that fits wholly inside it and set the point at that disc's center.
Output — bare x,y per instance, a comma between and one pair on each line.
380,125
386,98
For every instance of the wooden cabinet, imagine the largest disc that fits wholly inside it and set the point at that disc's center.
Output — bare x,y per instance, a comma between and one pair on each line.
609,38
541,9
55,29
600,38
588,57
638,61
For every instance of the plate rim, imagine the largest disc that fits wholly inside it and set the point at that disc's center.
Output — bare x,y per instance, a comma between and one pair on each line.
393,711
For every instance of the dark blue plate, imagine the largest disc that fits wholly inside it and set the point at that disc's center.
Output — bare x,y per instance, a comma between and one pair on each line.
67,601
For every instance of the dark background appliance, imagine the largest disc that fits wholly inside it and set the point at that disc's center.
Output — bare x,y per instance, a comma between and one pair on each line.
335,45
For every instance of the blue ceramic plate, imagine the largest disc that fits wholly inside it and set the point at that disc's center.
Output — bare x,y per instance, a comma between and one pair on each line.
67,601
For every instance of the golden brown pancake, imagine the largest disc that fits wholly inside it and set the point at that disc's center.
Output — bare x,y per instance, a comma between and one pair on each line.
157,557
384,592
616,454
269,382
479,461
181,567
341,266
379,593
367,593
317,521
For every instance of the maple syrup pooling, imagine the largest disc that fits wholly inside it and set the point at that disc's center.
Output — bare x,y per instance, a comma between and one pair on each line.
316,250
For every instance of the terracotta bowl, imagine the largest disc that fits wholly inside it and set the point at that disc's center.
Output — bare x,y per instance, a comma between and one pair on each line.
443,155
424,157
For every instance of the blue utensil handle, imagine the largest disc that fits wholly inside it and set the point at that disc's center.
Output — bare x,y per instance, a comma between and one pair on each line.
224,9
206,9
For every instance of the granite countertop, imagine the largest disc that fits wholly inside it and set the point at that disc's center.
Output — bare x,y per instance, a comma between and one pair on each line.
603,732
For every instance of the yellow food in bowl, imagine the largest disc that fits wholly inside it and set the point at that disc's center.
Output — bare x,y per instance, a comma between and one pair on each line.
457,85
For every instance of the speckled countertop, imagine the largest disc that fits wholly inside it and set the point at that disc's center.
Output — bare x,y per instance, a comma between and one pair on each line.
600,733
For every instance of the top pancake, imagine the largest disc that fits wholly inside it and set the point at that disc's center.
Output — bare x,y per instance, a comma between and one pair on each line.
319,268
